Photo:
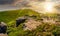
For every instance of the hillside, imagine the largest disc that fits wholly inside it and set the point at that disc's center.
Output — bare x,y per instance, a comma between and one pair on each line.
10,16
48,25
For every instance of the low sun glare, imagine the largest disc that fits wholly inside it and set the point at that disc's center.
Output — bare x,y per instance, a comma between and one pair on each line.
48,7
44,7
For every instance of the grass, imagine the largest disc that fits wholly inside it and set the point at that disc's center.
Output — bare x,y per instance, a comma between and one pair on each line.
9,17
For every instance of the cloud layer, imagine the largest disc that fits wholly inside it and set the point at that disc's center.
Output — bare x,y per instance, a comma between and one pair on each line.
6,1
35,4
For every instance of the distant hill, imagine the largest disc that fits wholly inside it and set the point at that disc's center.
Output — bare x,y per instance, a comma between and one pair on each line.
10,16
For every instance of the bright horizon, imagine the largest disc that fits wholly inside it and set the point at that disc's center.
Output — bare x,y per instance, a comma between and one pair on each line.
47,6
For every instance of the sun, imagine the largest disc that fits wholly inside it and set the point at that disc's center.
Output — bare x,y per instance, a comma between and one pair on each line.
48,7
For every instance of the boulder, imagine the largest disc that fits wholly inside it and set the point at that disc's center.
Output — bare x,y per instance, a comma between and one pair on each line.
20,20
3,27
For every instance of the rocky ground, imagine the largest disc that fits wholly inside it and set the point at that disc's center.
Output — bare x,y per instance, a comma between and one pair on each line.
3,34
31,24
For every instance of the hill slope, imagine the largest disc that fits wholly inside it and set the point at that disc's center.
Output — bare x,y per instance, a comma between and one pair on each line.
44,29
10,16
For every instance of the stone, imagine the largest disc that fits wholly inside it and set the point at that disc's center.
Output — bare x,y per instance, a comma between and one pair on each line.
20,20
3,27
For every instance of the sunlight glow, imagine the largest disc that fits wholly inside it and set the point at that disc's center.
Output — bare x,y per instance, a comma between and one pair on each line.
44,7
48,7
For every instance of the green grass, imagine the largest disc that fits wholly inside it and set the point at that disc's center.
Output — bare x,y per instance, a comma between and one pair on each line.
7,16
10,16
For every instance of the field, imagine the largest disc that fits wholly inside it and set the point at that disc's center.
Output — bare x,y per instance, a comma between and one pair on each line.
9,17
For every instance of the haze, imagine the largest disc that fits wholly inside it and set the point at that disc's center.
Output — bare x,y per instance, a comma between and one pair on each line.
18,4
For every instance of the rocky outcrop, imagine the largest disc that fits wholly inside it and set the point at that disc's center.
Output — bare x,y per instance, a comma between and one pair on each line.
3,27
31,24
20,20
3,34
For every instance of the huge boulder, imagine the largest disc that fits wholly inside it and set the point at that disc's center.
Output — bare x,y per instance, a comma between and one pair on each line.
3,27
20,20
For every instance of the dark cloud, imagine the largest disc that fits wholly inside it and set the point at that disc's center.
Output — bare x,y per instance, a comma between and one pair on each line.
6,1
41,0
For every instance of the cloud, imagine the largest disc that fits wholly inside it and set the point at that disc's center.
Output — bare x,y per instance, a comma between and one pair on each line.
35,4
6,1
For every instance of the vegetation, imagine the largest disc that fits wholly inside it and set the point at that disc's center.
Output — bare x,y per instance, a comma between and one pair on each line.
45,29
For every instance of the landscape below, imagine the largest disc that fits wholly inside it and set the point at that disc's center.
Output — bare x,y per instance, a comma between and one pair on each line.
49,24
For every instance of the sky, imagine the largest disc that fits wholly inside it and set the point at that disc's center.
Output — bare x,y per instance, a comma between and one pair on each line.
6,1
15,4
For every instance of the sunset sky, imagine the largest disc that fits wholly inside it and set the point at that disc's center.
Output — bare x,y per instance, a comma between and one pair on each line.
15,4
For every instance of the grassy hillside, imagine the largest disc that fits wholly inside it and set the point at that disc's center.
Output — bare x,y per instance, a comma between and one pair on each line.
9,17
